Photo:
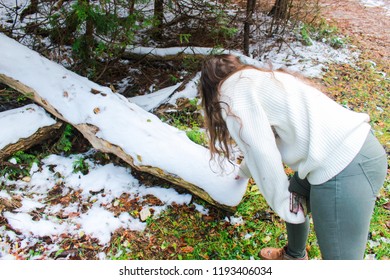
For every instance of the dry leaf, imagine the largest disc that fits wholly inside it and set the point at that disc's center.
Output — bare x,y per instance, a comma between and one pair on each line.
112,88
73,215
266,239
96,110
187,249
95,91
26,179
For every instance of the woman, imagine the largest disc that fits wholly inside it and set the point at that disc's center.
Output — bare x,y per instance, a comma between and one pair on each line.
276,119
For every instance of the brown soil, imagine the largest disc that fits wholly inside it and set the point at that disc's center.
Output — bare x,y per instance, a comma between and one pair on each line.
370,26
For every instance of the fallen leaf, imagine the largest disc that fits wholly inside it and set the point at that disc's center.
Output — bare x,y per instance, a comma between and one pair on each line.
26,179
381,124
187,249
73,215
112,88
95,91
65,200
266,239
208,218
96,110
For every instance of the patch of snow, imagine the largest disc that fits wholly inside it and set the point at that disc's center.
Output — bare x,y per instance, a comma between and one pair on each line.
201,209
98,221
235,220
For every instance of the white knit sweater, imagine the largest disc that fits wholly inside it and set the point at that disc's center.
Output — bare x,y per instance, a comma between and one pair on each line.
314,135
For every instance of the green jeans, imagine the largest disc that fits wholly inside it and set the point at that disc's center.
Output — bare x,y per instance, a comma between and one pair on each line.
342,207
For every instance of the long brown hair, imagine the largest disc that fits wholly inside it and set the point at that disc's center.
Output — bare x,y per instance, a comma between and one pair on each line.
215,70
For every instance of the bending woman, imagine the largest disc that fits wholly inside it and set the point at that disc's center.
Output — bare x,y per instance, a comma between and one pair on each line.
276,118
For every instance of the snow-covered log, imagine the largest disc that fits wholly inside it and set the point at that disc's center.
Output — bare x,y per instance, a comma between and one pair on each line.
114,125
24,127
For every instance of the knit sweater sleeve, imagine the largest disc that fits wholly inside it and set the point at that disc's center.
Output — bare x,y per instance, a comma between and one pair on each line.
249,127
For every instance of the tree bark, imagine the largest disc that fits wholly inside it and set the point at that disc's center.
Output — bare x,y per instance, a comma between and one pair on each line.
159,16
88,35
38,137
250,8
131,7
280,8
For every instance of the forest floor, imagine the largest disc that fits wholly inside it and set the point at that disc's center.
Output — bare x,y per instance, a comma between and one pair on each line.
370,26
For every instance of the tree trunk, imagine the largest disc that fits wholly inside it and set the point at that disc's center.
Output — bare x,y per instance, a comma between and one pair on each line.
250,8
88,35
159,16
31,9
280,8
131,7
113,125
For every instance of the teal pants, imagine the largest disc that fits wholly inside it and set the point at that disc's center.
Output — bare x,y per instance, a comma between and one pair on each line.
342,207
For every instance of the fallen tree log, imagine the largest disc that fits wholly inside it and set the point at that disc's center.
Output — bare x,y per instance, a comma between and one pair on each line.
25,127
166,54
112,124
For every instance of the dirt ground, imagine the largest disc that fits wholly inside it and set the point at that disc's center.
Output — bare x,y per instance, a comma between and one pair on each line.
369,25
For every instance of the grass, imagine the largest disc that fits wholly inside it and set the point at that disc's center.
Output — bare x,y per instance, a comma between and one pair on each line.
188,119
320,30
182,233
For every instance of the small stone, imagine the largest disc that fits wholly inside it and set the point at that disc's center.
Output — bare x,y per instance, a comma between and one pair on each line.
26,179
144,214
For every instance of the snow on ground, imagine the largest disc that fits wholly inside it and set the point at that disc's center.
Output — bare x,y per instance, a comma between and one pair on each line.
310,61
99,190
